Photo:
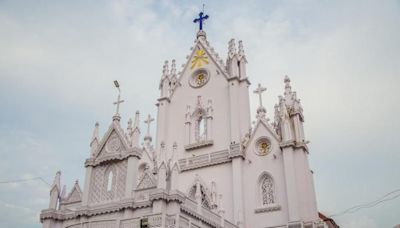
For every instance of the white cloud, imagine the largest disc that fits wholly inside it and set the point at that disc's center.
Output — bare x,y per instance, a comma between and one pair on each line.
363,222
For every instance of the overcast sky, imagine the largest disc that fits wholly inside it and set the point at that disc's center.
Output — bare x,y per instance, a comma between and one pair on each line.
58,60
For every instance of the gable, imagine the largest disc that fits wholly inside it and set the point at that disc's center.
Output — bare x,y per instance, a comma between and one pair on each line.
262,132
75,196
202,58
113,142
147,181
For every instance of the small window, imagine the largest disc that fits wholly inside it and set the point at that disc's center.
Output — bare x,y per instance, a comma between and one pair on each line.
110,181
202,129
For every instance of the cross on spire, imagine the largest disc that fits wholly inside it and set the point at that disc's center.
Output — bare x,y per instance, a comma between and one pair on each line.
148,122
259,90
201,18
119,101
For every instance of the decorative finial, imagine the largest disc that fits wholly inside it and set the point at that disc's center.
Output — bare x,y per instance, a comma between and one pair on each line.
288,88
231,48
241,49
136,123
96,131
57,180
173,67
165,68
118,102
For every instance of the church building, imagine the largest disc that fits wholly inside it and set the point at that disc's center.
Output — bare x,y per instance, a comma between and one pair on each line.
209,164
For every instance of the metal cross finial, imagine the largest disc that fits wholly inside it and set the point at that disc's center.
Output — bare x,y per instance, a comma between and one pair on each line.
201,18
148,122
119,101
259,91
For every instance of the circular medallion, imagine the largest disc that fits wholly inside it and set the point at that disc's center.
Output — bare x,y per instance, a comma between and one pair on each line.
113,145
199,78
263,146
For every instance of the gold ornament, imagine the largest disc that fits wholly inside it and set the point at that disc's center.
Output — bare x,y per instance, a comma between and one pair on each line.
199,59
263,148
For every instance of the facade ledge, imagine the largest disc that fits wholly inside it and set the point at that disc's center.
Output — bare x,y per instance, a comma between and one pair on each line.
199,144
134,152
268,208
161,194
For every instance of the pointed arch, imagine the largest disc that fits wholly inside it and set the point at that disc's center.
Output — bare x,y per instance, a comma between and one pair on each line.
110,179
266,189
200,123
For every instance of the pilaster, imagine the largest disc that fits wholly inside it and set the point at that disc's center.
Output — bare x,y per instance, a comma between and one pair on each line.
234,110
131,176
162,123
237,180
86,186
290,180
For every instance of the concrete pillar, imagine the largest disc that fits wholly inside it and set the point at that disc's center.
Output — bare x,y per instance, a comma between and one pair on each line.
234,111
86,186
237,188
131,177
291,187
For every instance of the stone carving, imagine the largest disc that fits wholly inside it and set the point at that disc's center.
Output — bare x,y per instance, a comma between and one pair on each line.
114,144
147,181
267,190
98,186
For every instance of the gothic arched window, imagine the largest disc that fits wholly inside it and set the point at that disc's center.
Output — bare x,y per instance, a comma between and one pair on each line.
267,191
201,126
110,181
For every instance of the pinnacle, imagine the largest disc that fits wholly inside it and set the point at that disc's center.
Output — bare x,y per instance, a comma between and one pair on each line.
201,34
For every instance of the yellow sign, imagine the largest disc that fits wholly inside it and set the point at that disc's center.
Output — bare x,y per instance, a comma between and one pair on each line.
199,59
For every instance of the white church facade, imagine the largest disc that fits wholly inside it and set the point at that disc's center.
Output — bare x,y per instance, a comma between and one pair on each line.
209,165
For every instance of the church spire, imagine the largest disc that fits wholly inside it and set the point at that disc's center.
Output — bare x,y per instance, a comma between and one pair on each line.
135,132
173,68
232,63
55,191
165,82
95,139
242,61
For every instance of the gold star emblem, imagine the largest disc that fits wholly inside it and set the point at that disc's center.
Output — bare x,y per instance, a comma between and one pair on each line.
199,59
